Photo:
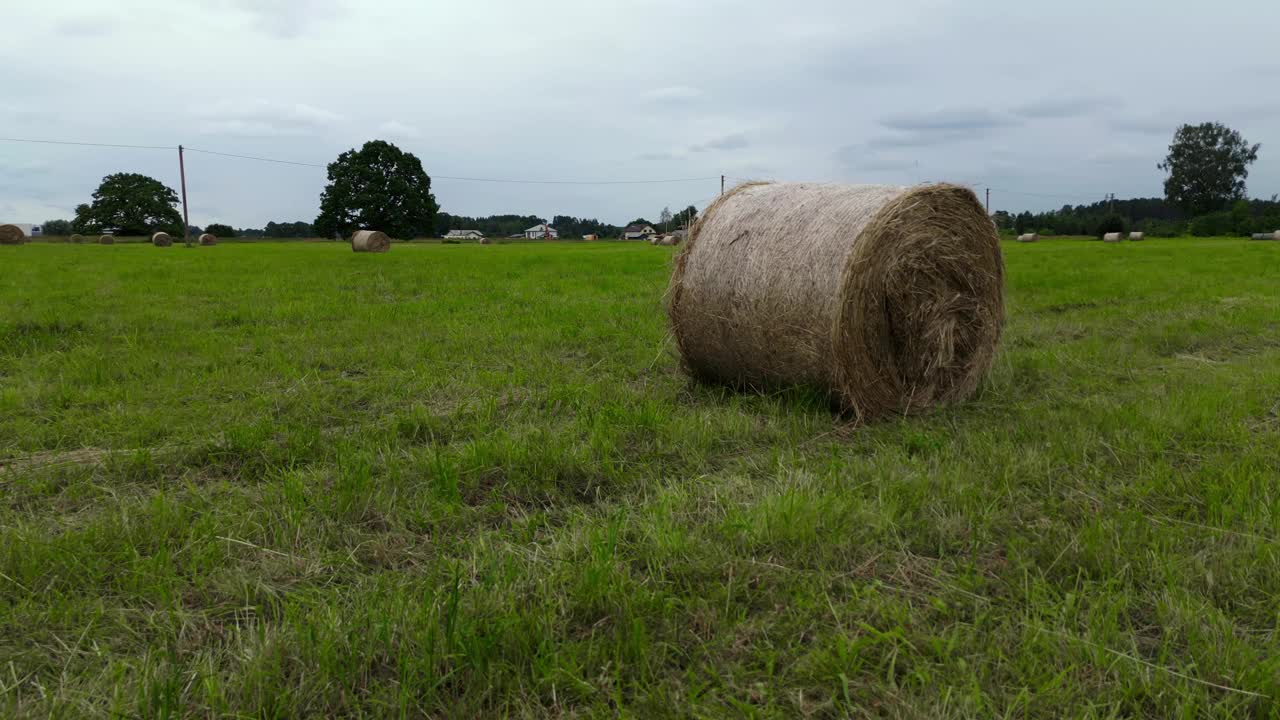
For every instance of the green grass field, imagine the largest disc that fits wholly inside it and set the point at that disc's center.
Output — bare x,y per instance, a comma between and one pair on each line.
286,480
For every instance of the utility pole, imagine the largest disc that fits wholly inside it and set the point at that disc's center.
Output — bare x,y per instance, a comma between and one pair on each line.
988,201
721,184
1112,207
186,218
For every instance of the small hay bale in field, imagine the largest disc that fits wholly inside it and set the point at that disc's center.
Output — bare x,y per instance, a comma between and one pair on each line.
208,239
12,235
1135,236
484,241
106,240
1029,237
370,241
890,299
162,239
77,238
1111,237
1275,235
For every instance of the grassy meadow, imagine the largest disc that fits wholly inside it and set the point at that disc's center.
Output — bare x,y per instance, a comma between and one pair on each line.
287,480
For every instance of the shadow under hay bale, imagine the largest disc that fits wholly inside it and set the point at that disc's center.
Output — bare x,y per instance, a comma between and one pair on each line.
370,241
1112,237
106,240
208,239
12,235
890,299
162,239
1029,237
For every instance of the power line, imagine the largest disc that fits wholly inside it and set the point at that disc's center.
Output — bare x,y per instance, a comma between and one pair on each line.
91,144
462,178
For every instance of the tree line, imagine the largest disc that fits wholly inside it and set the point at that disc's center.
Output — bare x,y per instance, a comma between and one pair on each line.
1155,216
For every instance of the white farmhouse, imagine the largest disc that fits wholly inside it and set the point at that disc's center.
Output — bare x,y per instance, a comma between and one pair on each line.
538,232
464,235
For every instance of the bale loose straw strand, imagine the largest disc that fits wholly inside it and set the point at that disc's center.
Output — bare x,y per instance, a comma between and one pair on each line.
370,241
208,239
162,239
891,299
12,235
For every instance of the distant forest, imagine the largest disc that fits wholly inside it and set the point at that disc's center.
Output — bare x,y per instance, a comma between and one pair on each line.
1155,216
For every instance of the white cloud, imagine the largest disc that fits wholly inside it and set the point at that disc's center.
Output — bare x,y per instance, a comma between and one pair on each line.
395,128
264,118
672,94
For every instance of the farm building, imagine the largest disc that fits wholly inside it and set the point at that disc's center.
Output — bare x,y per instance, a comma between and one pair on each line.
464,235
31,231
538,232
638,232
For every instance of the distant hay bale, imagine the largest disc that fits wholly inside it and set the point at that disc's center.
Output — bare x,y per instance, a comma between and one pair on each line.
12,235
484,241
208,239
1137,236
1267,236
77,238
1275,235
1111,237
890,299
106,240
1029,237
370,241
162,239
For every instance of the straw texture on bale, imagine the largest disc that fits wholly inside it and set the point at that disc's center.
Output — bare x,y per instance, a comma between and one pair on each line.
1137,236
106,240
77,238
12,235
1111,237
370,241
162,239
208,239
890,299
1028,237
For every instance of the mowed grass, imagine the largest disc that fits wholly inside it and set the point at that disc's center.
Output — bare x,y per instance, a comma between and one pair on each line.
286,480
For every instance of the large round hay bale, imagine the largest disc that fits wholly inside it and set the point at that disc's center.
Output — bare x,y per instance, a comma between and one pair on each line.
370,241
484,241
1275,235
77,238
1029,237
1137,236
1111,237
207,239
891,299
162,239
12,235
106,240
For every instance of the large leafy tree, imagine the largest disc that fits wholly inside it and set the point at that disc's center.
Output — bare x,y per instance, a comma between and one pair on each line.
1207,165
379,187
130,204
57,227
221,230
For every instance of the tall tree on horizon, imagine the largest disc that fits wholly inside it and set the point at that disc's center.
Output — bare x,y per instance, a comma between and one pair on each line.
1207,165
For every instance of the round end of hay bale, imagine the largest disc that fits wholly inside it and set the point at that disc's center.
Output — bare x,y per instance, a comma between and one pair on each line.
484,241
891,299
208,239
106,240
1111,237
12,235
77,238
370,241
162,239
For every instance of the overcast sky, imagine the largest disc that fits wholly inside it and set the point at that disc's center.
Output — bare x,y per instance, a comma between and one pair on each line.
1046,103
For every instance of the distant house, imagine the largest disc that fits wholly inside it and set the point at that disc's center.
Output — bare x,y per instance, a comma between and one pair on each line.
31,231
538,232
638,232
464,235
